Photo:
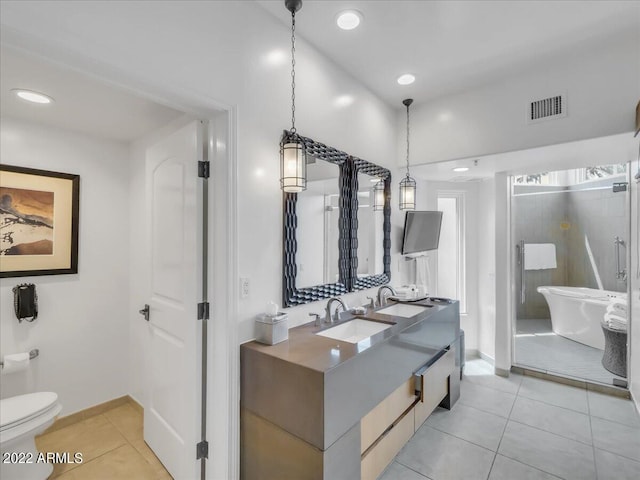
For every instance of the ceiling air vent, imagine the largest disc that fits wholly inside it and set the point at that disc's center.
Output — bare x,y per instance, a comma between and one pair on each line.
547,109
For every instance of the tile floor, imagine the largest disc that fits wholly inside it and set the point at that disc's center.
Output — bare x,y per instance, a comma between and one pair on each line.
516,428
112,448
523,428
539,348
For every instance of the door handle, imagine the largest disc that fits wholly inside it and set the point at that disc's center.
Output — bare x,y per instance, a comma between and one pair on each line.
145,312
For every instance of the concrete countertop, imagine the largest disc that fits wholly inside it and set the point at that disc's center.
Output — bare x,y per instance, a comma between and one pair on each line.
321,354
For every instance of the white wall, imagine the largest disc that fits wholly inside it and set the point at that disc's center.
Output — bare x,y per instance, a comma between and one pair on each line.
224,51
504,286
486,280
81,329
429,192
602,83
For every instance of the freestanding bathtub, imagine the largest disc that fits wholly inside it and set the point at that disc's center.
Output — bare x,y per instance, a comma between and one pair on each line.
576,312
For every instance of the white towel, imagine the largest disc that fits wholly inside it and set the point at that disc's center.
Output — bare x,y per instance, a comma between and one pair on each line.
617,308
423,273
539,256
615,322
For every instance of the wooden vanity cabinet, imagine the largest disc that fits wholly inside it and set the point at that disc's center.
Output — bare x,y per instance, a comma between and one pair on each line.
392,423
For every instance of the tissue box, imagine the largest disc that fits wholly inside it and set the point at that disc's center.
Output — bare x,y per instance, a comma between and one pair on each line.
272,329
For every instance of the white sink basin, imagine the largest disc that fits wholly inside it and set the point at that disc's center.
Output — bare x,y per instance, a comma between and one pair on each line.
402,310
354,331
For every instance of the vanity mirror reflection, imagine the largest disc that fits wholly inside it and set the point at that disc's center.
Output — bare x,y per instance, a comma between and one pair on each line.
318,234
372,221
334,240
315,230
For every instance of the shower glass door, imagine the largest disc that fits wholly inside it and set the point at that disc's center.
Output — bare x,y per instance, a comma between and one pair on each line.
568,229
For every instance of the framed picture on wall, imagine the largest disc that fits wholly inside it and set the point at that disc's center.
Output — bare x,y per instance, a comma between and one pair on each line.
38,222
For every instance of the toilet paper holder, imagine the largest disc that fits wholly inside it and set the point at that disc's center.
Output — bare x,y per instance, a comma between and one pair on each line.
32,354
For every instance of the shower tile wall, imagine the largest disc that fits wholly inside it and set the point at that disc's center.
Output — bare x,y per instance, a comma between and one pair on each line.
564,218
539,219
598,215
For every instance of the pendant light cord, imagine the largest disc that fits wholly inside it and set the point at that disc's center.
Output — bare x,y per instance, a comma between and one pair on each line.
293,71
407,141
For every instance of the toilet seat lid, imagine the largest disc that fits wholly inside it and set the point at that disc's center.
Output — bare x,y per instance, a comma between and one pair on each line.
24,407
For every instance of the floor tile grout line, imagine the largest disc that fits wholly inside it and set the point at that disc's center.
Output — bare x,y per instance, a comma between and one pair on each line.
460,438
617,454
78,465
412,469
481,410
479,384
593,442
531,466
577,411
503,430
552,433
491,388
599,417
553,405
129,442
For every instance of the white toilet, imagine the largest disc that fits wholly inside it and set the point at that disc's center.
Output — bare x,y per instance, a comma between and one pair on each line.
21,419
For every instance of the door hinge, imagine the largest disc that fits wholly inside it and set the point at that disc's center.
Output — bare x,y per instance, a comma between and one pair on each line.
203,169
202,450
203,311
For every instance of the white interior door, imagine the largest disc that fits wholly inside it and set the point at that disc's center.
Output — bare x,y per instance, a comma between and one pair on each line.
172,412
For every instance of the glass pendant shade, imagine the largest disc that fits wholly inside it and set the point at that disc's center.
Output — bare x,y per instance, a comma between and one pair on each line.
408,193
293,164
378,196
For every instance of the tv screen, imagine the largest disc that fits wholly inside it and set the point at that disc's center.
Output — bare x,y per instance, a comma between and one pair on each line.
421,231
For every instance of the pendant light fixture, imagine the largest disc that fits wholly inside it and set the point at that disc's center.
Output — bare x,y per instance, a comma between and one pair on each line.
293,155
408,184
378,196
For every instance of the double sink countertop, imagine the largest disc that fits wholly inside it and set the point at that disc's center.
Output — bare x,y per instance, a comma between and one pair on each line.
319,353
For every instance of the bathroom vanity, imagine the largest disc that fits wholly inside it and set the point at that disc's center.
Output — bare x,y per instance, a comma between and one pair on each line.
339,401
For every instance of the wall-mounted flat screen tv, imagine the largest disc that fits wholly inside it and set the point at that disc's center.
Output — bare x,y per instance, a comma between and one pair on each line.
421,231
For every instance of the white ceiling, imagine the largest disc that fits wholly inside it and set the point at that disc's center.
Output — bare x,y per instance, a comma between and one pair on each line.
592,152
450,45
82,103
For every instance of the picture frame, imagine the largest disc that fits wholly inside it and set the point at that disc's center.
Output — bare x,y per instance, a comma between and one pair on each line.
39,213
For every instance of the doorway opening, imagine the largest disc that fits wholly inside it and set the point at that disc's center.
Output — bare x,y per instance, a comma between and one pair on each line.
570,229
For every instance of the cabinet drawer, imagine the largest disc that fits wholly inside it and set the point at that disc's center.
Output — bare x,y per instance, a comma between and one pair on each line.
374,423
376,459
434,386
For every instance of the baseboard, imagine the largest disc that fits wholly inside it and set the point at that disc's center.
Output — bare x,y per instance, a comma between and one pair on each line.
81,415
136,404
487,358
471,353
635,398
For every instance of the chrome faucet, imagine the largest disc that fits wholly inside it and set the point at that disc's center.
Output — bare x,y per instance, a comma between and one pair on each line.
382,300
372,302
328,318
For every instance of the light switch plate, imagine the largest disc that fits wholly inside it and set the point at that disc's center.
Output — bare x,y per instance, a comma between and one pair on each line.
244,287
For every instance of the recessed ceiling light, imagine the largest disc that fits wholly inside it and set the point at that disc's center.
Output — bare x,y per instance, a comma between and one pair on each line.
31,96
461,169
406,79
349,19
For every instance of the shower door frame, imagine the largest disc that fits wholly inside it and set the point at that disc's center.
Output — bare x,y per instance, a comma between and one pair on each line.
512,260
